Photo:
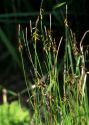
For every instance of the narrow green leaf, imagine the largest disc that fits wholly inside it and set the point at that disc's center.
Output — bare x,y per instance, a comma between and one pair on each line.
59,5
12,93
8,45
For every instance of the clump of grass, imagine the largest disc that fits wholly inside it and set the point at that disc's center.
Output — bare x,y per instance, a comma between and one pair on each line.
49,107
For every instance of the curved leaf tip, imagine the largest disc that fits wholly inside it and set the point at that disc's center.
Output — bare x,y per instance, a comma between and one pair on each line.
59,5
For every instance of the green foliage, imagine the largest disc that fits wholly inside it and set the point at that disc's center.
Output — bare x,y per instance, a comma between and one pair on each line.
48,104
13,114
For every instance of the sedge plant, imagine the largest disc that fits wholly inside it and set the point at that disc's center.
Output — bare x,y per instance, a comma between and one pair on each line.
49,107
